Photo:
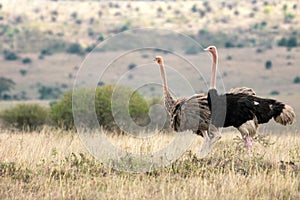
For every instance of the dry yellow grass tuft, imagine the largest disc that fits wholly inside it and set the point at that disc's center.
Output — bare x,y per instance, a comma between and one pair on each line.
53,164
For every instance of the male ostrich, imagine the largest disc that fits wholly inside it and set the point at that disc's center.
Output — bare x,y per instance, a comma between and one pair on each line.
244,110
189,113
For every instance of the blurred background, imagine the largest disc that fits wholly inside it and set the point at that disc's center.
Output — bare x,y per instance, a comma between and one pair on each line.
43,43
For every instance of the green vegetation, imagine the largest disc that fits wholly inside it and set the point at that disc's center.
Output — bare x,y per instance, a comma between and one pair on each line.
75,48
62,116
46,52
10,55
297,80
131,66
26,60
23,72
274,92
268,64
25,116
288,42
48,92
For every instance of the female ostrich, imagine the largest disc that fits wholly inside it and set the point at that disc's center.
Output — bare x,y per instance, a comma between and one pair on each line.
189,113
244,110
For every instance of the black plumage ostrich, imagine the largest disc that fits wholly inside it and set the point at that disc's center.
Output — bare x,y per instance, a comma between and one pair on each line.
244,111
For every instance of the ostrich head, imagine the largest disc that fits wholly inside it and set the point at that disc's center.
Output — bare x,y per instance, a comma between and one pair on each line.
211,49
159,60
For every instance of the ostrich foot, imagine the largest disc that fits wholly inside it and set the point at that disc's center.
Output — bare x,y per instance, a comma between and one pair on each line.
210,139
248,141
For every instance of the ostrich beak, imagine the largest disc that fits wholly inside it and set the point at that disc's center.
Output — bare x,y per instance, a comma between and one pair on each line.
154,59
206,49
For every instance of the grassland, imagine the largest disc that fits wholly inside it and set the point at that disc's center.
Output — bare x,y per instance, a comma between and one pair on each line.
53,164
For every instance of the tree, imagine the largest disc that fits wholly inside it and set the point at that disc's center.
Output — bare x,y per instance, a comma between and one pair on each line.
6,85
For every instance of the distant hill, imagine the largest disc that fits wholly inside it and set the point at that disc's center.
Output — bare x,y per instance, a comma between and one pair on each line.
31,26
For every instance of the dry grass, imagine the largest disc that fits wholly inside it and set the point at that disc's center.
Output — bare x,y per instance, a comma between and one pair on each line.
55,165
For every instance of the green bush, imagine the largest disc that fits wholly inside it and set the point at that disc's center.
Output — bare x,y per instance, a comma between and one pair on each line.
23,72
274,92
46,52
10,55
25,116
75,48
62,114
268,64
26,60
131,66
49,92
290,42
297,79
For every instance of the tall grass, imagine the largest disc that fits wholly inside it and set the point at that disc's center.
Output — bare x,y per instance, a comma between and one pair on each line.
53,164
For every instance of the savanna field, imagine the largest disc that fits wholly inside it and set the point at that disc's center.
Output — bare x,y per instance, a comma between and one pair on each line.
53,164
44,46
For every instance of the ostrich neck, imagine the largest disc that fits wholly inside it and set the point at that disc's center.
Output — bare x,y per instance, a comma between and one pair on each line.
214,71
163,77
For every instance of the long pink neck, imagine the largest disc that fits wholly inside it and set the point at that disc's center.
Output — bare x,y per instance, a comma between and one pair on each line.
163,77
214,71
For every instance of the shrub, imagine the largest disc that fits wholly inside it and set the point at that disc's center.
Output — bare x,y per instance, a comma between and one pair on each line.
290,42
274,92
297,79
45,52
23,72
126,26
131,66
25,116
194,8
268,64
9,55
90,32
90,48
48,92
229,44
101,37
26,61
229,57
78,21
75,48
61,112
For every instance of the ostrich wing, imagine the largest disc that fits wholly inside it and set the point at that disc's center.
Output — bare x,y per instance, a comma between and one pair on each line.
243,90
191,113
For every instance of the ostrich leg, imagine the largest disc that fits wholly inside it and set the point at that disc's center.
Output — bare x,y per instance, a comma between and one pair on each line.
211,137
248,141
248,130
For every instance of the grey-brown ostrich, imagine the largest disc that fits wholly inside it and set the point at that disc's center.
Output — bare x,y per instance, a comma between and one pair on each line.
189,113
244,110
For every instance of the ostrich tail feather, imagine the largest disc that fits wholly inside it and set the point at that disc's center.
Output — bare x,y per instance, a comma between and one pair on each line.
287,116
